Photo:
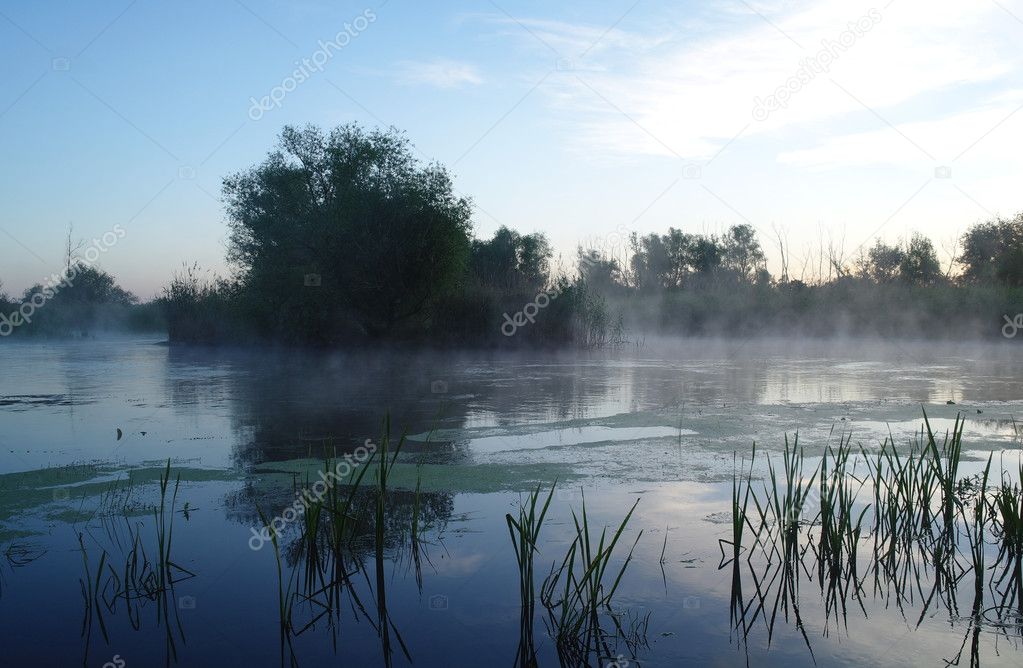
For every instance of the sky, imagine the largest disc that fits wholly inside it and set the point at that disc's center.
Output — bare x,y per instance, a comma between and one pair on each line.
826,123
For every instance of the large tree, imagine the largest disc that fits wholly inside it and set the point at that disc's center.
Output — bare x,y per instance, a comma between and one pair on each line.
742,253
511,260
993,252
919,265
345,230
882,262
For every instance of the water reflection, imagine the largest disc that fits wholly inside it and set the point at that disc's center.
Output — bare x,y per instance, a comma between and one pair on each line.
62,402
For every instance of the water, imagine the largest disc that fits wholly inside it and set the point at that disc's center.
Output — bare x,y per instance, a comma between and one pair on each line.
660,423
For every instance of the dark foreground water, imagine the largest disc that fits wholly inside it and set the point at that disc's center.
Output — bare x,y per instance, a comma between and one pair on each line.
86,430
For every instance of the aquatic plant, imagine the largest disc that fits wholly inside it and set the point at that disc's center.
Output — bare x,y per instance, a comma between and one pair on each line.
285,596
384,623
525,532
740,509
1007,517
921,509
578,591
146,576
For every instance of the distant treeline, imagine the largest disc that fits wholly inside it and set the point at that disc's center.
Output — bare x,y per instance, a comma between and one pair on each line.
679,283
345,238
81,301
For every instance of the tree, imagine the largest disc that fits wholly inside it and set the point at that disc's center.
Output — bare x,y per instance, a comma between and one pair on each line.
597,271
993,252
661,261
919,264
345,230
675,259
883,262
653,268
741,252
704,254
88,285
512,260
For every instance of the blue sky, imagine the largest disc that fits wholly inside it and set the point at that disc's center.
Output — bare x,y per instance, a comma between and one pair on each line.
570,118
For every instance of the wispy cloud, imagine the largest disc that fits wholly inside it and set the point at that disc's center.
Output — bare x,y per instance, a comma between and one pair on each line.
439,73
916,62
959,135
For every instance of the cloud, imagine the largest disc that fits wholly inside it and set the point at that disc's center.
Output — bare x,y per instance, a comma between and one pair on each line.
964,136
571,41
439,73
912,61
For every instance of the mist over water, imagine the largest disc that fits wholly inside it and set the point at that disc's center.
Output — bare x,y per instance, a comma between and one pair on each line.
350,417
241,407
658,422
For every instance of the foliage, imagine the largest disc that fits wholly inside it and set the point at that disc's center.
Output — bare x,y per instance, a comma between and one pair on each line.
993,252
80,302
345,238
342,231
511,260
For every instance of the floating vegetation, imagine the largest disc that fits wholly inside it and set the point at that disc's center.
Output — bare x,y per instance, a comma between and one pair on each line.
920,528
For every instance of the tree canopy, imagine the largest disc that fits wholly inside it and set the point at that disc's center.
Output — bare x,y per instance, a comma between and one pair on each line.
993,252
345,230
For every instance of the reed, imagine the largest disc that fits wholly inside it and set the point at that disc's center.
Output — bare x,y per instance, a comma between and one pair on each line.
840,527
945,466
740,509
975,534
384,623
580,589
788,506
1007,514
147,576
921,508
524,533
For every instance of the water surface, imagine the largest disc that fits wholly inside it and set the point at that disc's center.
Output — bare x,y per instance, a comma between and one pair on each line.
659,423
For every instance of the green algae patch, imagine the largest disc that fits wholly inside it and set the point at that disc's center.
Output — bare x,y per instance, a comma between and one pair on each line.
71,493
477,479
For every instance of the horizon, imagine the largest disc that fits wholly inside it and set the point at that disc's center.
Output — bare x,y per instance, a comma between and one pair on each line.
639,115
